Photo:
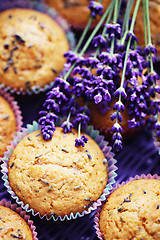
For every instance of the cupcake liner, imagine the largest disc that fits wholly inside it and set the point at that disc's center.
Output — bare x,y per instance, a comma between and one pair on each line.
18,210
41,7
96,218
15,108
98,139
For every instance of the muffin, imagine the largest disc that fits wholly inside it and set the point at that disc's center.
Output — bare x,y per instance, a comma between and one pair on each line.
13,226
32,45
132,211
76,12
154,12
10,120
55,177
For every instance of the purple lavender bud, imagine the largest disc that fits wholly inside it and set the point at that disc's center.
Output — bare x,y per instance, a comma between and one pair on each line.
114,116
117,135
133,37
149,48
81,141
117,146
84,138
97,98
42,113
96,8
116,127
50,104
91,62
99,41
61,83
133,96
113,30
120,91
78,89
76,70
119,106
134,81
132,123
67,126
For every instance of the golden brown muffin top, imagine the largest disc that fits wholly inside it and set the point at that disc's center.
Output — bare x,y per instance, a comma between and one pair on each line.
13,226
7,124
32,45
55,176
132,212
76,12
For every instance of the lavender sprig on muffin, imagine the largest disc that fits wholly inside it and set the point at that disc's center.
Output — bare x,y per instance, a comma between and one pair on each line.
116,77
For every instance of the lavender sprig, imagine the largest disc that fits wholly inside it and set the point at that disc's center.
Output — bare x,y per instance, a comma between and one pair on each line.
114,71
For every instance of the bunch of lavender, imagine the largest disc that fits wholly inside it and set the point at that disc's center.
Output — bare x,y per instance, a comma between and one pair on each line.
124,74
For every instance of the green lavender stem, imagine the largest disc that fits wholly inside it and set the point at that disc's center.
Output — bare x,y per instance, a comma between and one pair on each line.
128,44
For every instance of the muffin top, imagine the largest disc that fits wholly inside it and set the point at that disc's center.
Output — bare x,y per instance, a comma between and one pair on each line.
55,176
13,226
32,45
76,12
132,211
7,124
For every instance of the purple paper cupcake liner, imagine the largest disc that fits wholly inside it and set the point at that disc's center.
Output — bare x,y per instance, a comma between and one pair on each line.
22,213
41,7
15,108
97,216
94,134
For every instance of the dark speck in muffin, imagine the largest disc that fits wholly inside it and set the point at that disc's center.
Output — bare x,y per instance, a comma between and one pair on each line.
12,165
6,68
64,150
14,236
6,45
44,181
157,206
19,39
40,155
122,220
38,134
29,138
144,191
127,199
88,154
38,66
9,16
15,69
54,70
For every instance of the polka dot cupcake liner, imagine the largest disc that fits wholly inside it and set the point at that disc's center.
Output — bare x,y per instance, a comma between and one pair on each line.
15,108
41,7
94,134
97,216
22,213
